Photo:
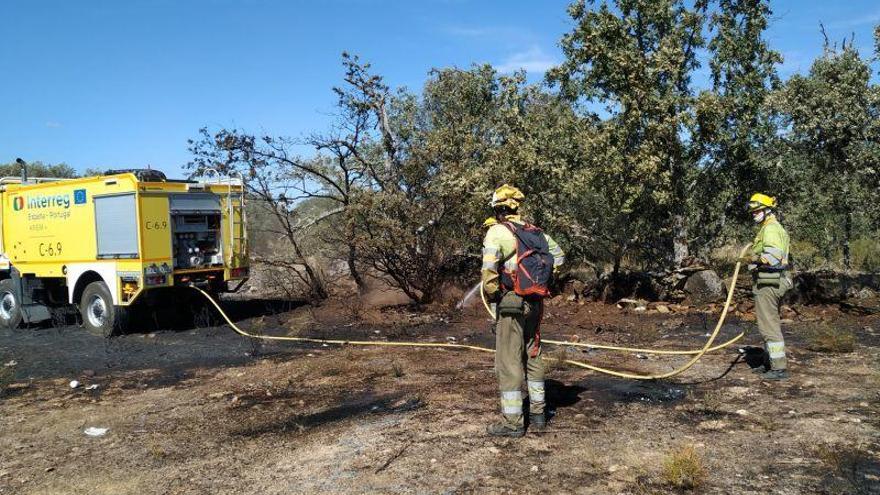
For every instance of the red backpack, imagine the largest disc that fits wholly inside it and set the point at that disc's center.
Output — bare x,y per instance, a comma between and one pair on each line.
534,263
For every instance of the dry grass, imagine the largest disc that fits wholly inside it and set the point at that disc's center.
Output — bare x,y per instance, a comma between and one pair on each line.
841,459
712,401
684,468
823,337
397,370
554,357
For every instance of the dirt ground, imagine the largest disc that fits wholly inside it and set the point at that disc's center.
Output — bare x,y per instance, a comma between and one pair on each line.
202,410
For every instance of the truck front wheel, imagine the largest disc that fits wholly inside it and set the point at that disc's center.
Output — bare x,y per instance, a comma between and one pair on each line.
100,317
10,305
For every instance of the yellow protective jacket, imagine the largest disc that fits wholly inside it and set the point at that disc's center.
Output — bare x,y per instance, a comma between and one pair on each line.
500,244
771,245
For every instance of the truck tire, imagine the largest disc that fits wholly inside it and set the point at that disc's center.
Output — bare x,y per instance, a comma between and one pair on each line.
10,305
100,317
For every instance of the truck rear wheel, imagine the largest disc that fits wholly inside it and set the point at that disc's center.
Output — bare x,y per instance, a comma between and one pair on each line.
100,317
10,305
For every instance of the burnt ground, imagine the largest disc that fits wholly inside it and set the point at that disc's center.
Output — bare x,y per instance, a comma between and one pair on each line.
203,410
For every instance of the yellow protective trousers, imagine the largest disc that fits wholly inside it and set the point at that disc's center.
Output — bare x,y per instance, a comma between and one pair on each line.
518,357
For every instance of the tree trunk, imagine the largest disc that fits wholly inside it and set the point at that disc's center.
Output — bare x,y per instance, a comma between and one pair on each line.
617,259
679,239
353,270
847,236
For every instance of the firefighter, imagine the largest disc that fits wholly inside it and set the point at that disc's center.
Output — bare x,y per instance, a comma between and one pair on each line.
517,339
771,279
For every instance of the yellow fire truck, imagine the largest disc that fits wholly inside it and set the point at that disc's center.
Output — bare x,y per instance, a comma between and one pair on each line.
103,243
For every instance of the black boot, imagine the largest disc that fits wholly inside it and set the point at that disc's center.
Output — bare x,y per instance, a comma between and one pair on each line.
505,430
775,375
537,422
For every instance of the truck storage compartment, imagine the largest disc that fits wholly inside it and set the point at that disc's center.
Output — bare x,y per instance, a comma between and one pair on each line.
196,224
116,226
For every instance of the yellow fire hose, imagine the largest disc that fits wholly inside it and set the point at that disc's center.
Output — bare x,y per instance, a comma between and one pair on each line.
622,349
697,354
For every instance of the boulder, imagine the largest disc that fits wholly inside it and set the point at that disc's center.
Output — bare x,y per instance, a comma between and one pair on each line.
579,281
830,287
704,287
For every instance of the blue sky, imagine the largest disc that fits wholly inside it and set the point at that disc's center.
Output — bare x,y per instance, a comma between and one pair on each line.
101,84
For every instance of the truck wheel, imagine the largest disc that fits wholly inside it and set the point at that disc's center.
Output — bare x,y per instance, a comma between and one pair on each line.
100,317
10,305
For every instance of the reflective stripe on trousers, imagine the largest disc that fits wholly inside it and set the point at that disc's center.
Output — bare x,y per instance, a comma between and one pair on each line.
511,402
776,350
536,391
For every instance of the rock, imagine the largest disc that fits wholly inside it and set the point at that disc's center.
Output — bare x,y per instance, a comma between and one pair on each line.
662,308
712,425
627,303
95,432
74,383
494,450
575,288
579,416
88,373
704,287
742,412
10,364
534,469
745,306
633,304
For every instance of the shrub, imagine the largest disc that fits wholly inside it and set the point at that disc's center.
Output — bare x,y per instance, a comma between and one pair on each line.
866,255
684,468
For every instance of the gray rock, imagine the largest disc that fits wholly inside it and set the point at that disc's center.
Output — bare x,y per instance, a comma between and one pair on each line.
704,287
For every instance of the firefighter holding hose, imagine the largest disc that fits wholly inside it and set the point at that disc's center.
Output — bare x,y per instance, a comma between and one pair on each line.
518,262
771,279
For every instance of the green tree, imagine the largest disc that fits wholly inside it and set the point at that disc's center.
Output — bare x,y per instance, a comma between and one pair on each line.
38,169
635,58
831,121
734,124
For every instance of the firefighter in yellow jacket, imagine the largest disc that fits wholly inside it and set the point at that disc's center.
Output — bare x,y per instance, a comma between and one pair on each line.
508,242
771,280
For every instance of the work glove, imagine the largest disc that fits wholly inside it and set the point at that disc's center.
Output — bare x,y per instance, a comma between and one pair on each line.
751,258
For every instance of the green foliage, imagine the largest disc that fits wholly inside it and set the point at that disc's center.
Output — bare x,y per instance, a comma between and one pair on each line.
38,169
830,120
634,58
866,255
622,159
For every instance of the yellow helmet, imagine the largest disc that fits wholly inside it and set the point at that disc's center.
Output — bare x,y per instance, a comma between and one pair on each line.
508,196
760,201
